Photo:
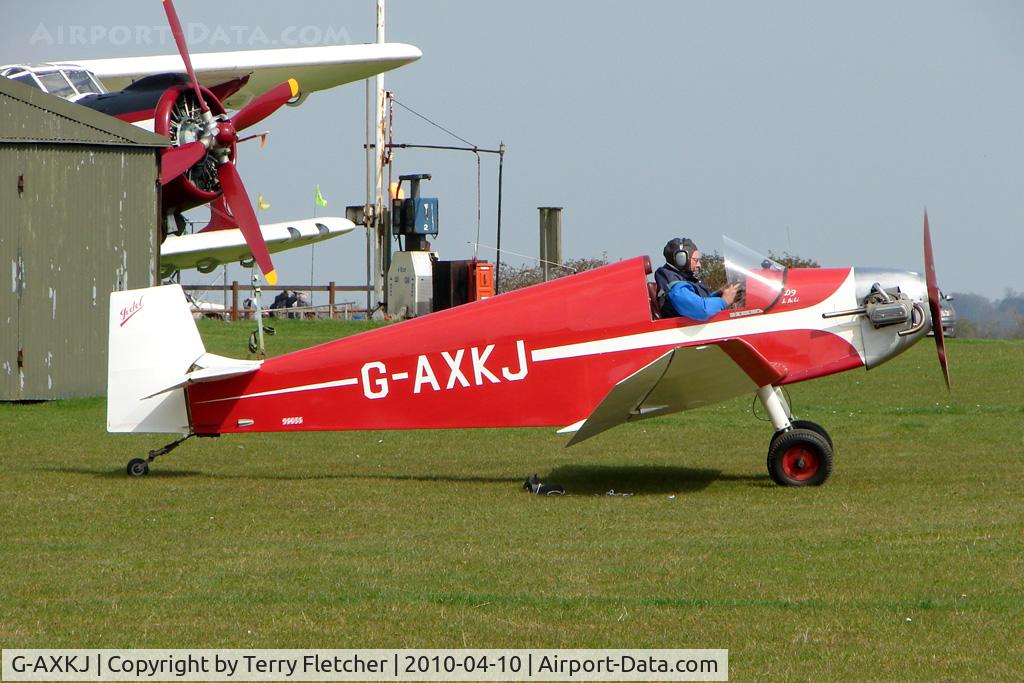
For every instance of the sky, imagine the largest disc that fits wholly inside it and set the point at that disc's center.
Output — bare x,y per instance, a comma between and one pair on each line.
823,129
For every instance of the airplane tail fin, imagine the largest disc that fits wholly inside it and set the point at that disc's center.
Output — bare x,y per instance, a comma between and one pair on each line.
153,342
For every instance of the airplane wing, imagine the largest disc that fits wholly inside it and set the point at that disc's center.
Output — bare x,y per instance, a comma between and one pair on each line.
207,250
315,68
684,378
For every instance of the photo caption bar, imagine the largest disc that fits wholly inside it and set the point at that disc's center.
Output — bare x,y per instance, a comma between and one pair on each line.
366,665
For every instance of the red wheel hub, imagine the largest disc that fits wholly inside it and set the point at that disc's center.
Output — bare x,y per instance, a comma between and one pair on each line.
799,463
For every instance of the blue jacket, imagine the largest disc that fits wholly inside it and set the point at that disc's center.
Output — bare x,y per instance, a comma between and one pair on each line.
689,303
683,294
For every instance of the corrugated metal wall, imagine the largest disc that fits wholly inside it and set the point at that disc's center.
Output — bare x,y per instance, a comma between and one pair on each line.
82,224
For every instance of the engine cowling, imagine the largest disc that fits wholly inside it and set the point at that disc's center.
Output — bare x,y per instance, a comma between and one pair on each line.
179,117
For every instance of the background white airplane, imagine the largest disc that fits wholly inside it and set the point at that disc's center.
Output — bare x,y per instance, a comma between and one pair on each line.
187,98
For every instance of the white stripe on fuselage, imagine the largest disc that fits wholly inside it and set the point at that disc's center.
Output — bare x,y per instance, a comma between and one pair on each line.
291,390
801,319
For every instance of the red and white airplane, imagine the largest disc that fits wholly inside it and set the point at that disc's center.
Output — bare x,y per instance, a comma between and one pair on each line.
585,353
191,107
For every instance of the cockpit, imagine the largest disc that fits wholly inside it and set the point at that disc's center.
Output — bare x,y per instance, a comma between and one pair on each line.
761,280
63,80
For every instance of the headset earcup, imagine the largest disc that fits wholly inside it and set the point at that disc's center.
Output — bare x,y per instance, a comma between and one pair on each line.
682,259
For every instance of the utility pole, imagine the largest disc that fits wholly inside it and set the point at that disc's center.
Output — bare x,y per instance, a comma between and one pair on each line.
378,234
497,258
380,152
368,222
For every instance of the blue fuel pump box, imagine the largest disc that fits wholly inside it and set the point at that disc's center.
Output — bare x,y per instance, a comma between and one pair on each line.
425,215
415,216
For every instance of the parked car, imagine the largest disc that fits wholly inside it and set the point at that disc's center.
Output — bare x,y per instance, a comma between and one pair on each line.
948,316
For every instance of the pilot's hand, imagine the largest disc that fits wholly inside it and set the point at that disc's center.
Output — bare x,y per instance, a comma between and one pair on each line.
730,292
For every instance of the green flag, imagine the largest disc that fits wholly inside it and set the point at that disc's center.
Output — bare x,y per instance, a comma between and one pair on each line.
320,201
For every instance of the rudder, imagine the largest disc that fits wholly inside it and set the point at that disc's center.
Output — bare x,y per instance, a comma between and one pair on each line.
153,341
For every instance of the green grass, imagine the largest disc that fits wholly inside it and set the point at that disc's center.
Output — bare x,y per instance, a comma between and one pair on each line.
907,565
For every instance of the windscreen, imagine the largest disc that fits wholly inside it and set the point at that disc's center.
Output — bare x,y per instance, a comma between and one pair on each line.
56,84
83,82
761,277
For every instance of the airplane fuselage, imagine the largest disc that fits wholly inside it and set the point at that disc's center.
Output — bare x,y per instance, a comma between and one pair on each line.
544,356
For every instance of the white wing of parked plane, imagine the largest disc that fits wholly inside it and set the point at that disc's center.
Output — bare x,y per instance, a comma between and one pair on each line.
207,250
315,68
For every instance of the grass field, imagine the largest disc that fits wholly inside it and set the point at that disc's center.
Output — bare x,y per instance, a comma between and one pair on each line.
907,565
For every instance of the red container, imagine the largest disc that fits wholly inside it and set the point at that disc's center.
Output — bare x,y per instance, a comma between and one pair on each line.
481,280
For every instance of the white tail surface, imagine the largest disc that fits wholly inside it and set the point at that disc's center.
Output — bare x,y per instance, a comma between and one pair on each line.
153,342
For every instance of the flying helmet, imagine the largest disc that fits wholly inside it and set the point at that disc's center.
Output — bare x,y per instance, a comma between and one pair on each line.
678,252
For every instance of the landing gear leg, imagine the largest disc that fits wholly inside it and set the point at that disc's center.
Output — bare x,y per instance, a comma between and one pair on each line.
793,424
778,410
800,452
138,467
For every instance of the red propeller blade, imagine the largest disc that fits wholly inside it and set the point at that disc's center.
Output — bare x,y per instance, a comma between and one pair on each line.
933,300
265,105
177,160
179,39
238,201
220,216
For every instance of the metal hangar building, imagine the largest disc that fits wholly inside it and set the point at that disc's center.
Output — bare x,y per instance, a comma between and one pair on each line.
79,217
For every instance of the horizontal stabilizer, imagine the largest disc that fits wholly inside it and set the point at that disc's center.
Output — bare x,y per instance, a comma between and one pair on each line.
210,367
684,378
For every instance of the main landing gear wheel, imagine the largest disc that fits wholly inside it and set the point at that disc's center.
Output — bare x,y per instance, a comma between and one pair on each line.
805,424
799,457
138,467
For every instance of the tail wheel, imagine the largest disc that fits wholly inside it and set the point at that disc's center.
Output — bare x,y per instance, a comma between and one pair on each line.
799,457
807,424
138,467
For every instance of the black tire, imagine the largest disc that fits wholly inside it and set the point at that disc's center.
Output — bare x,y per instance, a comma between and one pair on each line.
807,424
799,457
138,467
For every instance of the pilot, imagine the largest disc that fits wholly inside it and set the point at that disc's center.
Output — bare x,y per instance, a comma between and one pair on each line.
680,290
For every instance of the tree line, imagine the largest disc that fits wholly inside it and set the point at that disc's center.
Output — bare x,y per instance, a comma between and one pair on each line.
977,316
512,277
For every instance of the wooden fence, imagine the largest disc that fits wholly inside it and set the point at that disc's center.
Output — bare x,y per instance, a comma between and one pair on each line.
237,311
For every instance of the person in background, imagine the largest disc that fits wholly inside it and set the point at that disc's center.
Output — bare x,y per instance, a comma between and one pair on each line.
680,290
